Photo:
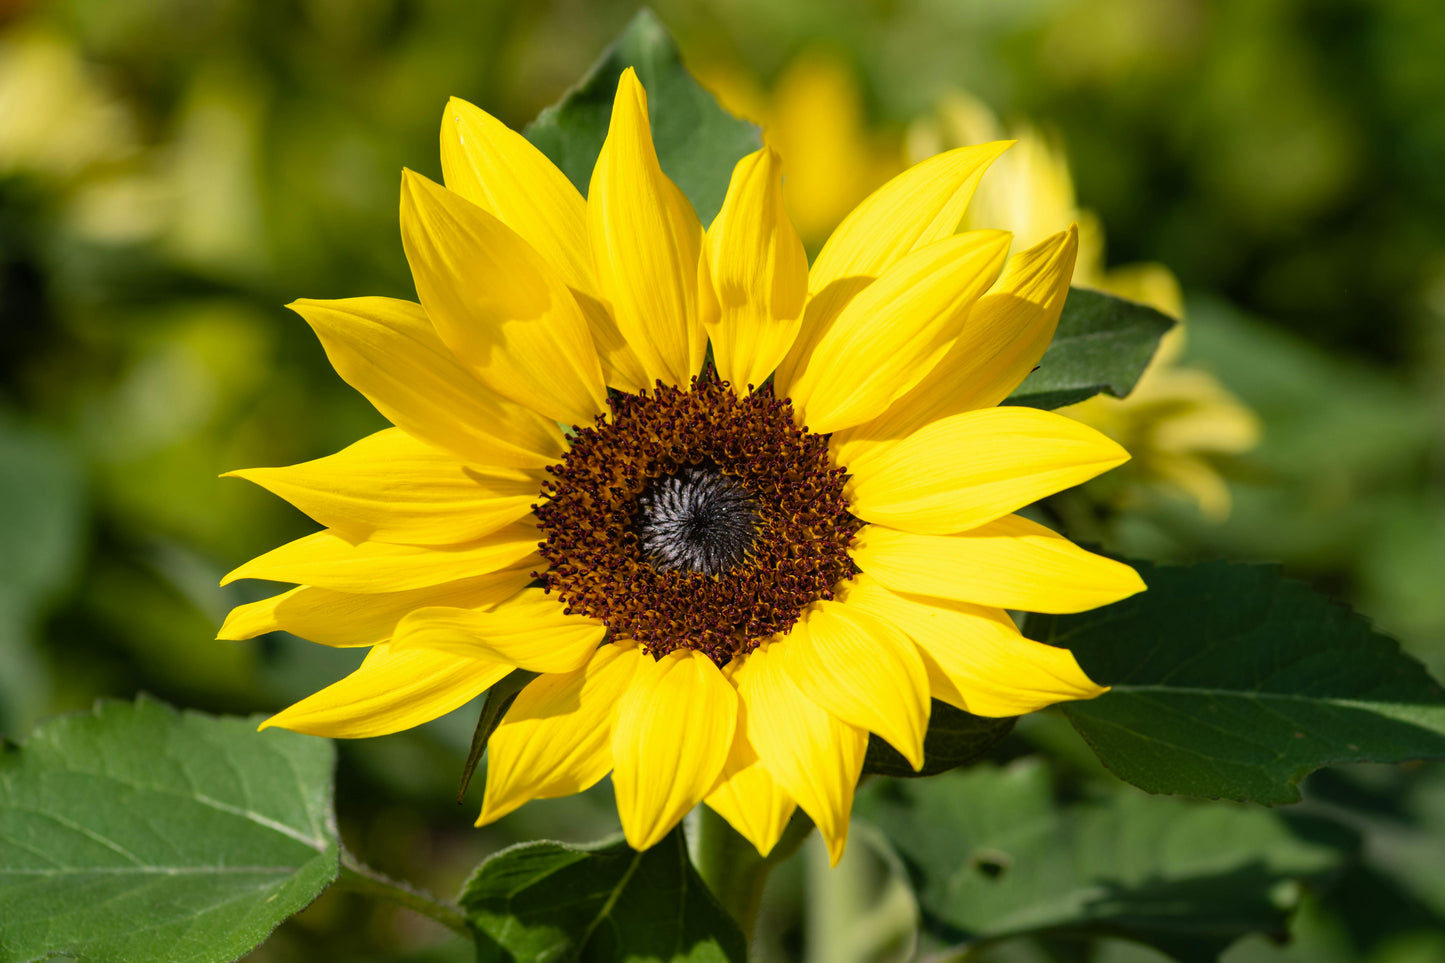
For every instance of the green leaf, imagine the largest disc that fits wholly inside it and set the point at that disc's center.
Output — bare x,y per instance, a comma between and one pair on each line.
992,856
1232,681
1103,344
499,699
136,832
697,141
604,903
954,738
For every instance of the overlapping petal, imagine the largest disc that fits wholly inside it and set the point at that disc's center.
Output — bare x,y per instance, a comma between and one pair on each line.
922,205
530,631
815,756
748,796
971,468
392,488
646,242
1006,334
862,670
349,619
675,725
556,739
388,350
326,560
519,331
391,691
1009,563
499,170
976,658
893,333
759,273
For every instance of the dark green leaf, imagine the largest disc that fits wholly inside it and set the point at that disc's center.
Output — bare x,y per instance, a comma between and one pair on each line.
549,901
1103,344
1229,680
954,738
499,700
136,832
991,856
697,141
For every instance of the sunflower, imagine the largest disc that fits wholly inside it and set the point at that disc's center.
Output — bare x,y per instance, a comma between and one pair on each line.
727,573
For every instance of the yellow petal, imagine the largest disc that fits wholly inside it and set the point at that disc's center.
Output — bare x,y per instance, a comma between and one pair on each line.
499,306
390,691
346,619
971,468
387,350
500,171
975,656
530,631
918,207
674,728
893,333
748,796
1010,563
556,739
815,756
1003,339
328,561
862,670
646,241
759,273
392,488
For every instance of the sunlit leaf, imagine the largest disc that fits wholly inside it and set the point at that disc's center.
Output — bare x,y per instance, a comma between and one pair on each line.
1103,344
697,141
1231,681
992,855
604,904
136,832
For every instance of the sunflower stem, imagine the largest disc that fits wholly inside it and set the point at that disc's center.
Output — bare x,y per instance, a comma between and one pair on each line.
732,868
358,877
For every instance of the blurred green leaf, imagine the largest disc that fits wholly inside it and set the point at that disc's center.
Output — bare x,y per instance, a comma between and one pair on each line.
42,529
136,832
1103,344
1230,680
549,901
697,141
954,738
41,512
992,856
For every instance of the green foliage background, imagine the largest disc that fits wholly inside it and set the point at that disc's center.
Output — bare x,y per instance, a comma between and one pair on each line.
172,173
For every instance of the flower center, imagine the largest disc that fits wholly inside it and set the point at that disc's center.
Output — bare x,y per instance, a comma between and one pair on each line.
699,519
692,518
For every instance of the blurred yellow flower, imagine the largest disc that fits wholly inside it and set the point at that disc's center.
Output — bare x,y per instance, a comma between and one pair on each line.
724,592
1176,417
56,114
815,117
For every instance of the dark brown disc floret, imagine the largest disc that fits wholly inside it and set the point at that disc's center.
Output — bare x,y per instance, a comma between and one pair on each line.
692,518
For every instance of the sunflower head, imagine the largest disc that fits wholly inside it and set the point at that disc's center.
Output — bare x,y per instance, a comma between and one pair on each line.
726,575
